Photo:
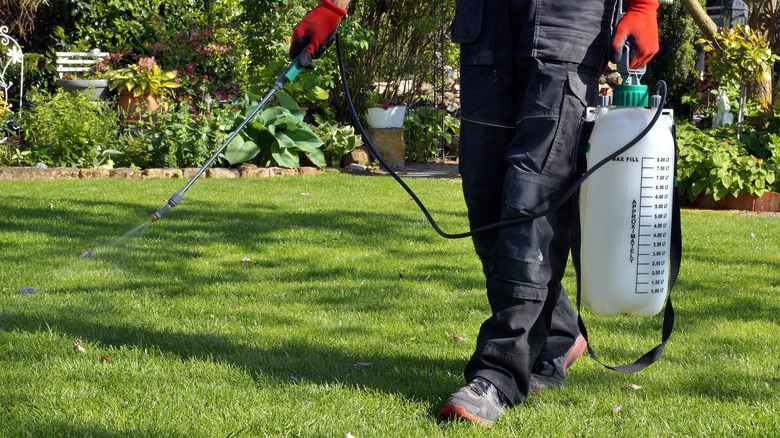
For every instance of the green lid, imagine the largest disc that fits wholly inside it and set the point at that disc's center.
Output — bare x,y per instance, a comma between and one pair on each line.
630,95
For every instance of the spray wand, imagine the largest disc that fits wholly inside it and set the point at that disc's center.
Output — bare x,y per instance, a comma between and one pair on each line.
288,75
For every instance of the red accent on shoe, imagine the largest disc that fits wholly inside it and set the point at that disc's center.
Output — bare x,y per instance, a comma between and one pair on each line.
453,411
574,353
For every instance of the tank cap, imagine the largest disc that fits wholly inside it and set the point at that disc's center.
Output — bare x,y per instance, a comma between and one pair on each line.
630,95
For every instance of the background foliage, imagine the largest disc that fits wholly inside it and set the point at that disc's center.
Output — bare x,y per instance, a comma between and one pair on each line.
196,37
675,62
57,138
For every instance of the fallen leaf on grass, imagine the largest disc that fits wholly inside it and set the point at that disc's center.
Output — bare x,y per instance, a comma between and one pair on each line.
400,275
362,364
106,358
458,338
616,410
77,347
87,254
632,386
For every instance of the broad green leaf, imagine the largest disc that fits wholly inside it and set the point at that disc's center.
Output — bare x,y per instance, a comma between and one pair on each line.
305,139
285,157
285,141
286,101
275,115
317,157
240,150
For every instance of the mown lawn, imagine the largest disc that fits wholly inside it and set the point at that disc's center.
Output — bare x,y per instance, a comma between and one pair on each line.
325,305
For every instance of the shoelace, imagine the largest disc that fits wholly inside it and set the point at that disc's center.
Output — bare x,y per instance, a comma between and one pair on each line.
481,387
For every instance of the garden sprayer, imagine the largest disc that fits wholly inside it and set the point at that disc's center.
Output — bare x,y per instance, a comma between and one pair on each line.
629,211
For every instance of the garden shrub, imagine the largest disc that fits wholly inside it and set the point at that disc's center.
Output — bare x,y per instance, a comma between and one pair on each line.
715,164
675,62
69,130
275,136
184,135
377,36
197,37
270,24
428,129
337,140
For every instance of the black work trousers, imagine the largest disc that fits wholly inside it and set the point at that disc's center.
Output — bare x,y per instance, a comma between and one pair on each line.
528,70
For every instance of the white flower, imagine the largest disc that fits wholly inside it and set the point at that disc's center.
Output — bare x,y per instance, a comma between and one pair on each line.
16,55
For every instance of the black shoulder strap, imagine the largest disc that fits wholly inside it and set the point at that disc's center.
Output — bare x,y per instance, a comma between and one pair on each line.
675,257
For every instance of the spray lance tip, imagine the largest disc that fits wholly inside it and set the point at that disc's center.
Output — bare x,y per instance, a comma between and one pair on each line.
172,202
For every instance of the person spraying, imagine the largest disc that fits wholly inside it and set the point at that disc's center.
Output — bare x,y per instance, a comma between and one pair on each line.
528,70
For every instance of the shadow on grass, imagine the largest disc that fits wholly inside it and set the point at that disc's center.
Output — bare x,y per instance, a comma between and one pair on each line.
76,225
414,377
46,428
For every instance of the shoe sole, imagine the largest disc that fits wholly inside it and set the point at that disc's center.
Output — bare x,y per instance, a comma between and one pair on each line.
452,411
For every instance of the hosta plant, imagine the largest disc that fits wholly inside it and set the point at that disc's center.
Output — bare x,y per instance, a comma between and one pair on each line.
276,135
144,77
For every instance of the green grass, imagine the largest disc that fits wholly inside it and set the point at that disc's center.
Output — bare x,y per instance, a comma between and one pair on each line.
343,270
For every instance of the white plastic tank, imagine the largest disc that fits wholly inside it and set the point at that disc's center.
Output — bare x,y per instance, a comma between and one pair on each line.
626,214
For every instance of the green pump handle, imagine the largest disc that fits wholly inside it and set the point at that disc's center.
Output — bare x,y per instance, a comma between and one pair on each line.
288,74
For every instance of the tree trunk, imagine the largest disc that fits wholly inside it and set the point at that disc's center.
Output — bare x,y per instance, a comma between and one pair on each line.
741,112
760,90
702,21
766,19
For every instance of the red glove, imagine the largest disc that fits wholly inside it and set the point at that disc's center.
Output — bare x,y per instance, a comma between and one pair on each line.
639,26
315,33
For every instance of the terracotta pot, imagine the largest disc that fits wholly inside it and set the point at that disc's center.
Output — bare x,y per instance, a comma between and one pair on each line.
768,202
136,107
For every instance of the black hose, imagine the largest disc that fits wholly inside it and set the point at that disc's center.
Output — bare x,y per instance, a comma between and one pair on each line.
569,193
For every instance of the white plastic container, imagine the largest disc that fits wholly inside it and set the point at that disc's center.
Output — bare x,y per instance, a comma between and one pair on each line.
626,213
381,118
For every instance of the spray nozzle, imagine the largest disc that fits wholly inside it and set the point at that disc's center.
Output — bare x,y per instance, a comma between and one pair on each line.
172,202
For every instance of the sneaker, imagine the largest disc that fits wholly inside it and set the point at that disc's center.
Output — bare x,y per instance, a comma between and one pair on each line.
480,402
546,375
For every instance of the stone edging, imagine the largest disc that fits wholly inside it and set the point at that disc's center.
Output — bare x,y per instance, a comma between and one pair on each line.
55,173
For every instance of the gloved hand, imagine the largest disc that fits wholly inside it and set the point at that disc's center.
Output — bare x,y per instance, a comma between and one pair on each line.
639,26
315,33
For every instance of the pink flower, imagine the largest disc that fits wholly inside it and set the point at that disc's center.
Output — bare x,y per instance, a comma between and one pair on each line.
146,64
